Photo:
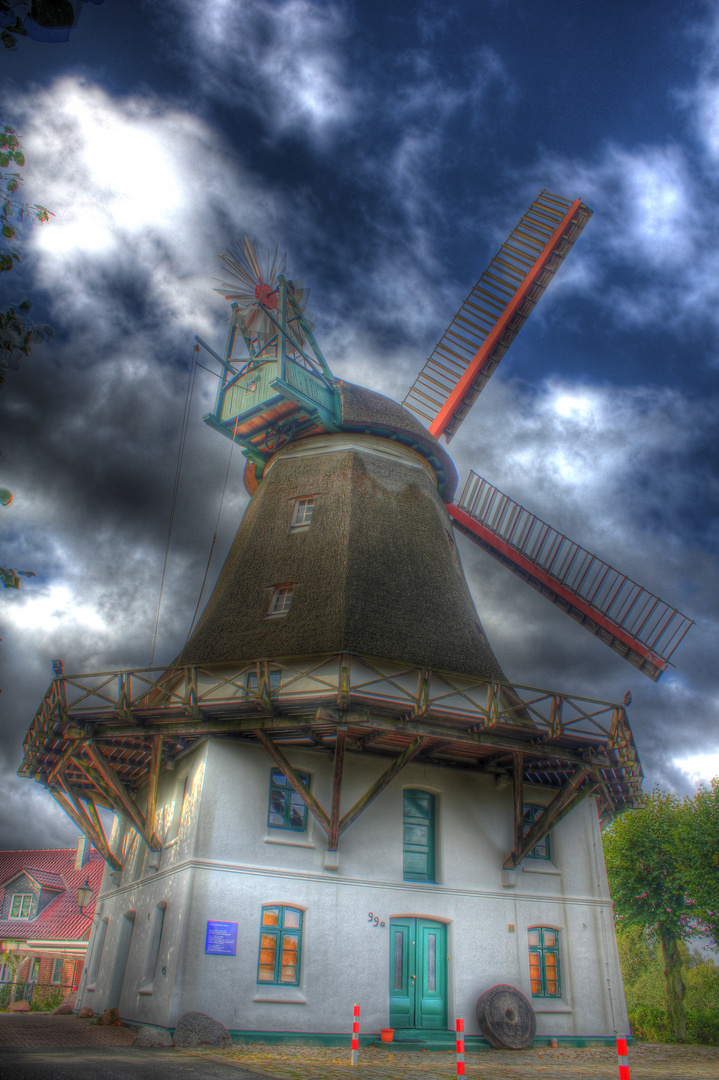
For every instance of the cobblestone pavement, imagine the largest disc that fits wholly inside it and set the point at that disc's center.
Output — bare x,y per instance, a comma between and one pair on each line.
44,1031
23,1033
648,1061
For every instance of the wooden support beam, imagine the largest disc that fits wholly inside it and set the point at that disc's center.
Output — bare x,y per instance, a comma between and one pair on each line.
518,791
491,740
381,783
562,802
77,812
333,835
302,790
152,777
126,800
95,819
60,763
99,784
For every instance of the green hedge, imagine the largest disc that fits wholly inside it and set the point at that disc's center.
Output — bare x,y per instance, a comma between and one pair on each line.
649,1024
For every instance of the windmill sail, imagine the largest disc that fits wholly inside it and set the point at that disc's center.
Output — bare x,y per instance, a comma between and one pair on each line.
494,312
627,617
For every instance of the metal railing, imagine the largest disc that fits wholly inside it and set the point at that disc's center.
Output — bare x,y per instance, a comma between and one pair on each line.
41,997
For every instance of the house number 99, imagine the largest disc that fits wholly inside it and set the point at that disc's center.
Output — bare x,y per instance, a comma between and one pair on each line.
374,919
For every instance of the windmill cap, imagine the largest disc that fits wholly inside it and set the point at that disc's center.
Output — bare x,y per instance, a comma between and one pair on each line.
370,413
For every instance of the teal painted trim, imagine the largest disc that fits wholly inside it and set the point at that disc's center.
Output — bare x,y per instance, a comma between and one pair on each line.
441,1040
542,850
220,359
248,449
323,413
282,793
279,933
418,836
312,340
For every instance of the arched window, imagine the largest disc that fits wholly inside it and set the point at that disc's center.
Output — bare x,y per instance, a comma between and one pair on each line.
544,973
280,946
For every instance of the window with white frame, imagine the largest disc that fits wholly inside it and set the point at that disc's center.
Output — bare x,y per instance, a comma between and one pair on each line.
5,973
57,970
280,600
302,512
20,905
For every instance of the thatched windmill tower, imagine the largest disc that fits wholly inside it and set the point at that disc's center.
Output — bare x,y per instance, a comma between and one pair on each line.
335,794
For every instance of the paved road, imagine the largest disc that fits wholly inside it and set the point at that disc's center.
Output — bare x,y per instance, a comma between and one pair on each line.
37,1046
115,1063
44,1031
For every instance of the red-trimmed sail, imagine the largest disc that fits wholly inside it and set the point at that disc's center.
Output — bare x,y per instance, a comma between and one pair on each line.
629,618
494,312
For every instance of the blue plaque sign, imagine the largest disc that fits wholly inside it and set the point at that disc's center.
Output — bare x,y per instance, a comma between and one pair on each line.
221,938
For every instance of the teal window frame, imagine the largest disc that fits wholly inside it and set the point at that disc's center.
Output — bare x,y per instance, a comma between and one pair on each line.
280,934
414,847
531,813
25,901
286,802
57,967
542,950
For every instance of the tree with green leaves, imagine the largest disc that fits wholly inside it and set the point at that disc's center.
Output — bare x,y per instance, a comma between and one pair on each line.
647,879
699,836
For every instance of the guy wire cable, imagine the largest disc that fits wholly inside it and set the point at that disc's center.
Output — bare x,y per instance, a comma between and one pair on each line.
173,502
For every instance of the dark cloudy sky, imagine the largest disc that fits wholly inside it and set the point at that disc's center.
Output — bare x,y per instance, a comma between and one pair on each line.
389,147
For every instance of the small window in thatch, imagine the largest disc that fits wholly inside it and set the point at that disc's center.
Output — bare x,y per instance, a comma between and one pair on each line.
302,513
280,600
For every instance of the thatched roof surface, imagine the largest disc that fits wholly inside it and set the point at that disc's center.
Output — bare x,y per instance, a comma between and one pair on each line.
364,410
377,572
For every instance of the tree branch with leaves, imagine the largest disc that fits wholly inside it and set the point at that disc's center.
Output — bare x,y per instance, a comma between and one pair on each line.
647,879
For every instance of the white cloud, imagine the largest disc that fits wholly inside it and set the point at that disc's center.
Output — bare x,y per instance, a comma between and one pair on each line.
281,60
700,768
142,194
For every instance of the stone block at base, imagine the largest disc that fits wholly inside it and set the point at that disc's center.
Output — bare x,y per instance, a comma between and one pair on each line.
152,1037
197,1029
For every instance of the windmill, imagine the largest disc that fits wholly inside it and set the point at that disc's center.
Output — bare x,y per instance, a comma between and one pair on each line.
341,633
629,618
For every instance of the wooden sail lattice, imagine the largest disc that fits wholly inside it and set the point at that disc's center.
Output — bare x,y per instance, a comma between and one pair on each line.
641,626
494,312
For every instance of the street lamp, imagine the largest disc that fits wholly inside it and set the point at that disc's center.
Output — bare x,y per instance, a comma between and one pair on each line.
84,895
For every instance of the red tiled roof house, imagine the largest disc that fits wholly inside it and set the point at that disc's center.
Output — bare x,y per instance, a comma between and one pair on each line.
39,914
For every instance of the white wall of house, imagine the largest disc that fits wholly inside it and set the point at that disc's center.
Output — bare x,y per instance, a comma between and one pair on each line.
221,862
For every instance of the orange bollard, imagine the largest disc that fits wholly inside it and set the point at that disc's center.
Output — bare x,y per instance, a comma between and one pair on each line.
460,1047
355,1036
623,1059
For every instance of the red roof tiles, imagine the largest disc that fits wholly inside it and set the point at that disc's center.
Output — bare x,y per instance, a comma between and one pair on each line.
54,870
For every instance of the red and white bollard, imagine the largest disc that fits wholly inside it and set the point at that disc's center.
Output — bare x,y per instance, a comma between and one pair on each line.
460,1047
355,1036
623,1059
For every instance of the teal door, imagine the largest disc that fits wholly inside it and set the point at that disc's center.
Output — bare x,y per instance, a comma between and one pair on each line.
417,974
